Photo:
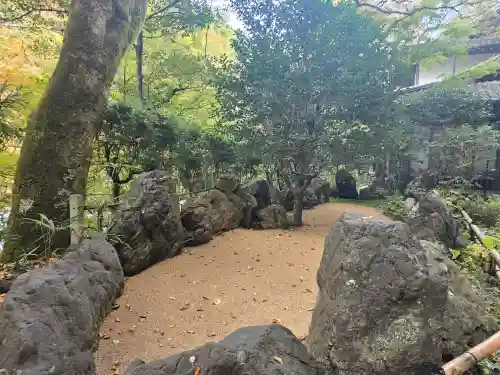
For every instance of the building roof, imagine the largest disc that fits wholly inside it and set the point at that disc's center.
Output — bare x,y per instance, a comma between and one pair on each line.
488,91
484,44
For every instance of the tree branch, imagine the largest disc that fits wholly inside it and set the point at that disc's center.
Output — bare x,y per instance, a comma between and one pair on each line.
162,10
381,9
35,10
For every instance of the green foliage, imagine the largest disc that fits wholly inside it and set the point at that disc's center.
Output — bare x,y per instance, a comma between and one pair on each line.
447,104
133,141
484,212
307,79
10,101
393,207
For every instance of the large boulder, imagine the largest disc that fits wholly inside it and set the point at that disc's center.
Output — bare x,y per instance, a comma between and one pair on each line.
272,217
380,305
321,189
380,187
310,198
261,350
467,321
260,190
50,318
227,184
146,226
433,221
209,213
250,209
346,185
388,305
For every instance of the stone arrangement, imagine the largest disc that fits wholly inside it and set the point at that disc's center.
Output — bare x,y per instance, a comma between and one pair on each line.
390,299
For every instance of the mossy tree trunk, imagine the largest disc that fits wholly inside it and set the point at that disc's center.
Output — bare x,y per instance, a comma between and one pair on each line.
57,149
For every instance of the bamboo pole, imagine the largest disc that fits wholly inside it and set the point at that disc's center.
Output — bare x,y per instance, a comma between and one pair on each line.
464,362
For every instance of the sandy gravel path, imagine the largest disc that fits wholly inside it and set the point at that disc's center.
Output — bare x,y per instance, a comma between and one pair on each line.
241,278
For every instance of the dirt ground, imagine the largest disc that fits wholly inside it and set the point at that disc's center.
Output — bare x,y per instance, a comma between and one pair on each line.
241,278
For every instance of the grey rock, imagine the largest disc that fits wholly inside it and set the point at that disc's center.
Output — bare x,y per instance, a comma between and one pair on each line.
311,199
433,221
409,204
212,212
50,318
365,193
260,190
467,321
272,217
227,184
261,350
147,227
321,188
346,185
250,209
381,303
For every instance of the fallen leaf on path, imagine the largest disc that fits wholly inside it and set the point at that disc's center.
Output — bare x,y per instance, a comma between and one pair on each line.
185,307
308,290
191,332
276,321
212,334
197,371
303,337
277,359
116,342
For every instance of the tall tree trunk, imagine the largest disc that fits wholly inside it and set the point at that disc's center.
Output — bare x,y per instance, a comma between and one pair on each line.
298,207
57,150
139,56
116,191
496,183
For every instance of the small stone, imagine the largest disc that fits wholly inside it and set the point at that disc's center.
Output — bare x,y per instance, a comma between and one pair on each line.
142,316
117,320
116,342
212,334
191,332
241,356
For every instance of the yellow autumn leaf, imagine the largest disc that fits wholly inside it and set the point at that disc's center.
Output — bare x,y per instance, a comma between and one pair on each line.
490,242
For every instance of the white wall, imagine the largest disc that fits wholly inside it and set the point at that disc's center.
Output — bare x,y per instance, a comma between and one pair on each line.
437,72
